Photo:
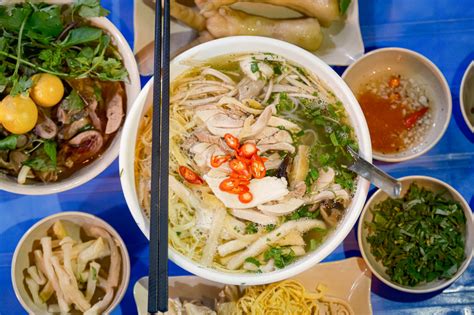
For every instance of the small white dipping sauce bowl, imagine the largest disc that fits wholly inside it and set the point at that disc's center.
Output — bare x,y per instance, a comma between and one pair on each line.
238,45
466,96
88,172
21,259
378,269
413,66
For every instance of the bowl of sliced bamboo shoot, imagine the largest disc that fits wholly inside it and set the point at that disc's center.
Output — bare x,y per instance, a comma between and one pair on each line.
70,262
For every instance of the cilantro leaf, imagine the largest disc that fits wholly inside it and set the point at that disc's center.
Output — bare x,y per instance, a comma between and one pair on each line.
9,142
89,8
40,164
343,6
253,260
73,102
50,148
254,67
20,85
281,256
82,35
251,228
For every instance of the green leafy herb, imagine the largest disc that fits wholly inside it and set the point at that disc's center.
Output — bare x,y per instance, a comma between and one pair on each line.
73,102
253,260
418,238
254,67
303,212
20,85
280,255
9,143
89,8
82,35
343,6
312,176
40,163
277,69
285,104
94,273
270,227
251,228
49,147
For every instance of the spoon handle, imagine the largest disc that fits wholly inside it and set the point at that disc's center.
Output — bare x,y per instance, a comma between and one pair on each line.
375,175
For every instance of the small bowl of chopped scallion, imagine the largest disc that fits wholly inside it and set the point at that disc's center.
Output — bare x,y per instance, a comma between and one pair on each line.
421,242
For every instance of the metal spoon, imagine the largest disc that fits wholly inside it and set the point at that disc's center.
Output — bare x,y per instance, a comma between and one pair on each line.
374,174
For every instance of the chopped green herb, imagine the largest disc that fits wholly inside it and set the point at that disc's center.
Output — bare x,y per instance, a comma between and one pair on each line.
418,238
49,147
251,228
285,104
9,142
253,260
343,6
281,256
254,67
303,212
270,227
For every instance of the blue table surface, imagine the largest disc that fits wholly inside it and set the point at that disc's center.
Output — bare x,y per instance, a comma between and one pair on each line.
442,30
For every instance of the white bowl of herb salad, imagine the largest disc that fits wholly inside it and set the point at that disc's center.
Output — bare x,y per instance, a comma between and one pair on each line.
67,80
421,242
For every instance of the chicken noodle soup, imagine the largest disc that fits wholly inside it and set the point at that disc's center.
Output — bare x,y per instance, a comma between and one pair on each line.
257,162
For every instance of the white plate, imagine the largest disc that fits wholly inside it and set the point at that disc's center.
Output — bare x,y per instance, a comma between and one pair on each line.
341,46
348,279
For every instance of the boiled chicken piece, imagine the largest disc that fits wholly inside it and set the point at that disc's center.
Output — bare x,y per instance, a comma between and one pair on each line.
326,11
259,125
273,161
204,115
249,89
283,146
256,70
205,136
279,136
304,32
328,194
266,132
299,190
254,216
281,122
263,190
326,178
282,208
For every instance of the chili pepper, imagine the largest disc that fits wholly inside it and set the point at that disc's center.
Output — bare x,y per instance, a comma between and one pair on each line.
245,197
190,176
232,142
218,160
412,119
237,165
248,150
257,168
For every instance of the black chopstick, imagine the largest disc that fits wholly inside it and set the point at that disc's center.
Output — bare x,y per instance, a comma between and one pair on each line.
158,269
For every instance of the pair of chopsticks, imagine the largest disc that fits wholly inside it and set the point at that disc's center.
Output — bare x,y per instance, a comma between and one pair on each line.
158,272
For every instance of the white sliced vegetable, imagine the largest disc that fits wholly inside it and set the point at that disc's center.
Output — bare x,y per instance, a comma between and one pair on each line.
47,257
92,280
46,292
97,250
33,287
69,287
115,260
298,250
100,306
66,228
233,246
66,246
254,216
36,275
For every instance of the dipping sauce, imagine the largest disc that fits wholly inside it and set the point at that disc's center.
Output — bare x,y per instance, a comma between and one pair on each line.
397,111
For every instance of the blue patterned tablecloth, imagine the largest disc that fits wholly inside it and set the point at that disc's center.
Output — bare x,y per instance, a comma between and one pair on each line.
442,30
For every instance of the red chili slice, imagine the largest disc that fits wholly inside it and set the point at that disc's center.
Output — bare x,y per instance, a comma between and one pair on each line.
238,165
244,177
231,141
218,160
257,168
190,176
245,197
234,186
248,150
411,119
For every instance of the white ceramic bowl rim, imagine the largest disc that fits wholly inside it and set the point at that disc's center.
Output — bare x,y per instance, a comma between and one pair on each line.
429,64
466,209
469,69
110,154
58,216
242,44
